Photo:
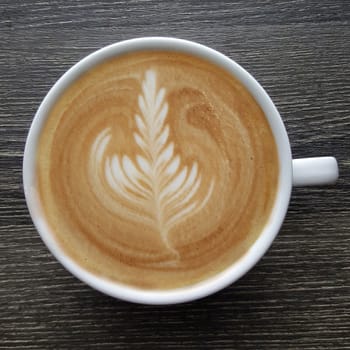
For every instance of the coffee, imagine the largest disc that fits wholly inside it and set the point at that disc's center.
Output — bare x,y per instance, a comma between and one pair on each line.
156,169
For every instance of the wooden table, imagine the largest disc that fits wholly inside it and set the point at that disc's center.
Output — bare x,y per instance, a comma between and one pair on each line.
298,296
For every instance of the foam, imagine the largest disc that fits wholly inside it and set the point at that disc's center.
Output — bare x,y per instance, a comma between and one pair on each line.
156,169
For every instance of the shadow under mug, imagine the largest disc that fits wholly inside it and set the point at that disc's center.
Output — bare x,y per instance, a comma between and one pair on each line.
298,172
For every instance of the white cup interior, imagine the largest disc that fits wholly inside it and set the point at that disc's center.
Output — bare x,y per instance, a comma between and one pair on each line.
222,279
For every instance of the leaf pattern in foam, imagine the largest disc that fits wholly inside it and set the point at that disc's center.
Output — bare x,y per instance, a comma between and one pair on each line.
156,180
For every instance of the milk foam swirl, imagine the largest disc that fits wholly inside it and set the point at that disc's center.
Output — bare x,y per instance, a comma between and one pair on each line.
156,169
155,183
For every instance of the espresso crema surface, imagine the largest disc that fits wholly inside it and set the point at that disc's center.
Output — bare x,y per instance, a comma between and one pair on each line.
156,170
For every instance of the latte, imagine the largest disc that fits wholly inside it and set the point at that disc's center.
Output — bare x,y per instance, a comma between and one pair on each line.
156,169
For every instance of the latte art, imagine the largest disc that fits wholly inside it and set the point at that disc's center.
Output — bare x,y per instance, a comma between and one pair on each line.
154,189
156,169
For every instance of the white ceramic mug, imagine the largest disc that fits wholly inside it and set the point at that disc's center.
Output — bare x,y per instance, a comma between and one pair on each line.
306,171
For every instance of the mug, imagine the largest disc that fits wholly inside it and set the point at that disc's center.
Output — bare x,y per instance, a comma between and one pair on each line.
292,172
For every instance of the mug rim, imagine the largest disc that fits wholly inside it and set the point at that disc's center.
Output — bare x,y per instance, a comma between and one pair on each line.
238,268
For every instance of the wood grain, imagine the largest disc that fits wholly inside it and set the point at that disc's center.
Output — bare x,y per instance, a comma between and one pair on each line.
298,296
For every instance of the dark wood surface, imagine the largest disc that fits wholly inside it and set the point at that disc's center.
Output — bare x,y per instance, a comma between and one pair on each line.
298,296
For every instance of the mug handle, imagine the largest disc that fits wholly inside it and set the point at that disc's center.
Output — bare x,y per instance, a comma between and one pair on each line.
315,171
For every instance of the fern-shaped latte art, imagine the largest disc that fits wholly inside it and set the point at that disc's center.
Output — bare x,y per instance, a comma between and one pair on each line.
155,179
